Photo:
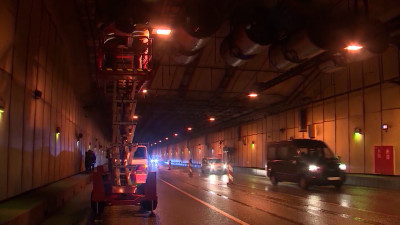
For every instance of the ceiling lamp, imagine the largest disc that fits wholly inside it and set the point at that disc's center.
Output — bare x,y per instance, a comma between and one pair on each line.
162,31
189,128
212,119
353,47
175,134
166,138
159,141
135,117
252,95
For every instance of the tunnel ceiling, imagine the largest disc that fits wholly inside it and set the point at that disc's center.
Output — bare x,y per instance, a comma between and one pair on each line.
242,54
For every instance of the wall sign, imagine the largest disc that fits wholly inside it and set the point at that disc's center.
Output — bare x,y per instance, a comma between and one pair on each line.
384,160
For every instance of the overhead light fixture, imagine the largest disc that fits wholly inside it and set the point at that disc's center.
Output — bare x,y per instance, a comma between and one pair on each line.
252,95
144,91
162,31
135,117
166,138
159,141
175,134
189,128
385,127
212,119
353,47
357,131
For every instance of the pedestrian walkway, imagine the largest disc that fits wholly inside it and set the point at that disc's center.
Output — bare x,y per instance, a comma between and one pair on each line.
34,206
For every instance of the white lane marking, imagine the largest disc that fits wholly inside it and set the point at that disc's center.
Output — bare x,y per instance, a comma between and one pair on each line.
206,204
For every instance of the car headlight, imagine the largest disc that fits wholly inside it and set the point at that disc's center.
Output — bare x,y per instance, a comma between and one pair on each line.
212,166
342,166
313,168
225,166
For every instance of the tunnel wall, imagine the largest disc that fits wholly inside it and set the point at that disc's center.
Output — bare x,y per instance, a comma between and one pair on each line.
362,95
34,55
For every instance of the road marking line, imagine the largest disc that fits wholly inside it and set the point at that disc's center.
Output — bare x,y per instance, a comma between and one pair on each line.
206,204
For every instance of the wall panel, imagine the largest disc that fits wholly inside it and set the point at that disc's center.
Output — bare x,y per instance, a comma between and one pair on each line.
8,12
390,67
371,71
329,134
372,138
342,140
390,96
391,137
5,81
355,73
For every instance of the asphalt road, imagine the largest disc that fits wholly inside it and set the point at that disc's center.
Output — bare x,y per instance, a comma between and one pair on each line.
207,199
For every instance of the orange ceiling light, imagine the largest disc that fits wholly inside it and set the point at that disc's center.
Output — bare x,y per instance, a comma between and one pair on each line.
144,91
212,119
135,117
252,95
160,31
189,128
353,47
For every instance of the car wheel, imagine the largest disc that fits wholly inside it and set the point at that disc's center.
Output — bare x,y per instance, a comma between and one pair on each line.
303,183
274,180
148,206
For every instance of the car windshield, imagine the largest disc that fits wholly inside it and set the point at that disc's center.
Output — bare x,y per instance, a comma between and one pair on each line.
317,152
214,161
140,152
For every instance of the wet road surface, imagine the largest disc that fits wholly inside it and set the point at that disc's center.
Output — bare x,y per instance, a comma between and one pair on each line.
207,199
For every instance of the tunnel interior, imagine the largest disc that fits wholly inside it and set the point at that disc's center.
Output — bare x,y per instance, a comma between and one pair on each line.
193,79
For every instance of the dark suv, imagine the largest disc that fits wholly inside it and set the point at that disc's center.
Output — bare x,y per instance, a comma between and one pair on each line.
304,161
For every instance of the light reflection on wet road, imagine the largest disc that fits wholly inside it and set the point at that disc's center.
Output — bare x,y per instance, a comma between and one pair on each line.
253,200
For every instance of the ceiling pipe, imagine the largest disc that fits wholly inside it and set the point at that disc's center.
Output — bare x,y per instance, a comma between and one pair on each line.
198,22
248,38
297,49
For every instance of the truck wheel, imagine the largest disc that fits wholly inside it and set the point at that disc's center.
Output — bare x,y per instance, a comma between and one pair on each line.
273,179
146,205
303,183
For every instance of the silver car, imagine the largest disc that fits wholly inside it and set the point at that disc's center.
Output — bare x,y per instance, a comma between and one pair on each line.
213,165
